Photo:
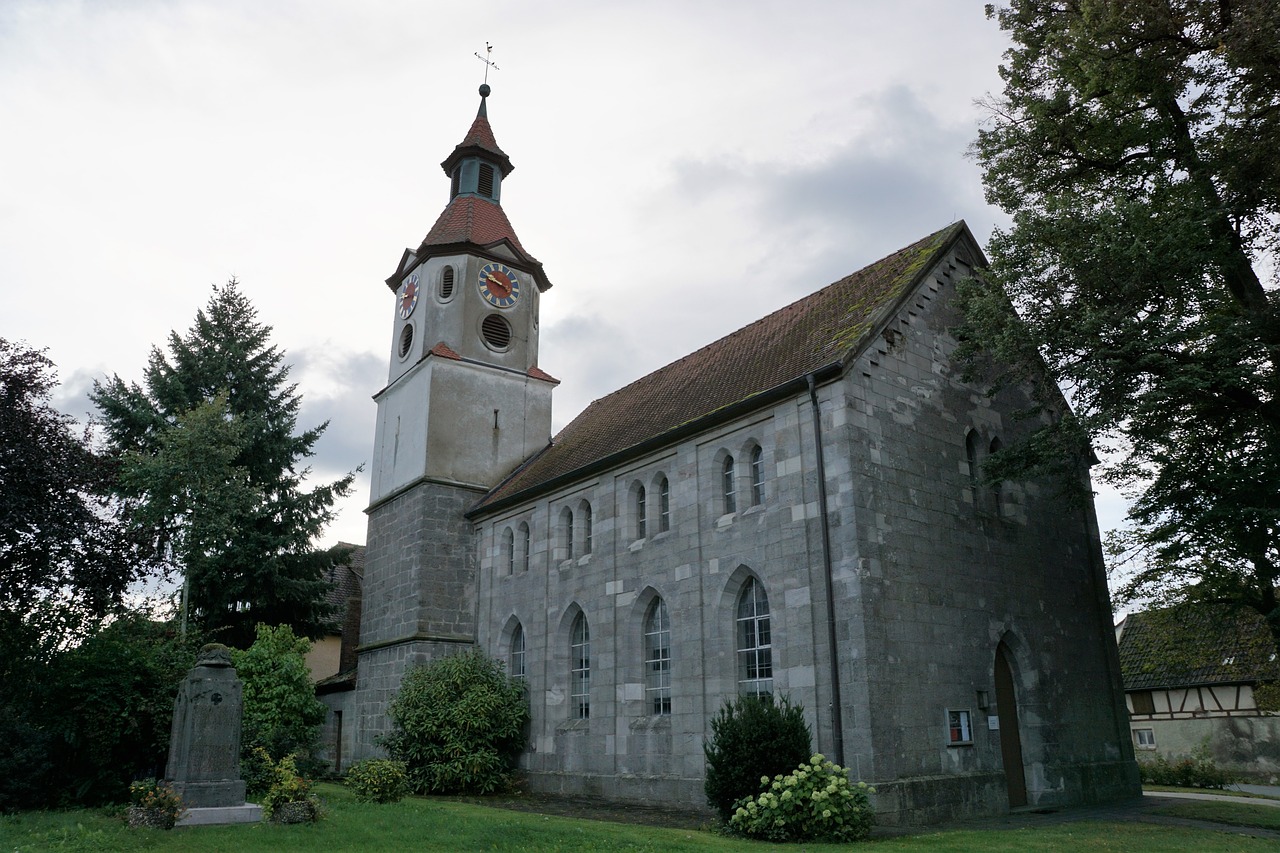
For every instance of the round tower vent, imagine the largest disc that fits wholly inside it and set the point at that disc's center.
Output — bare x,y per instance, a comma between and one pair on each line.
496,332
406,339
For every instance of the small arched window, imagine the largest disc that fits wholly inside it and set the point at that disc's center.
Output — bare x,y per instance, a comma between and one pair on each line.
757,476
580,668
446,283
524,547
657,658
726,486
755,644
995,486
584,512
515,660
509,551
664,505
642,527
971,460
566,533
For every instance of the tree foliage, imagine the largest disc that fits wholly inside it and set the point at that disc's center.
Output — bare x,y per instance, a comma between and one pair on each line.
210,477
1135,147
458,725
752,737
281,712
57,536
81,723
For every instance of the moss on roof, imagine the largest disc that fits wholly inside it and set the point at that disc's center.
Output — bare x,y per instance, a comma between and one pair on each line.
813,334
1192,645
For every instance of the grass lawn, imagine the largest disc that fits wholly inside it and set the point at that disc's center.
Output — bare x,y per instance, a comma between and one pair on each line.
424,824
1237,814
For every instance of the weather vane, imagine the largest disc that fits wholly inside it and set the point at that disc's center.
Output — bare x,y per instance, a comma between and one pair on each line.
488,63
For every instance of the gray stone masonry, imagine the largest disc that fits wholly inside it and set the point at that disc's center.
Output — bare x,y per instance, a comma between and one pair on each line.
204,748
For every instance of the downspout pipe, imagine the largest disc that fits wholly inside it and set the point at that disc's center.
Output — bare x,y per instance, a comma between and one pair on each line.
837,721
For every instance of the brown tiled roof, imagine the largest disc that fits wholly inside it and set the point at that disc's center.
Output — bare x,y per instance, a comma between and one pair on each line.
807,336
1168,648
479,139
538,373
444,351
472,219
347,581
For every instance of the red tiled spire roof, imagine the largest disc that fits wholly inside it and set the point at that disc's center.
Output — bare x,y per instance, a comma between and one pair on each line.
472,219
812,335
479,141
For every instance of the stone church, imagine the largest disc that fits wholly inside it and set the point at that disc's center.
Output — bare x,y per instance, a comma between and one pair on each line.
796,508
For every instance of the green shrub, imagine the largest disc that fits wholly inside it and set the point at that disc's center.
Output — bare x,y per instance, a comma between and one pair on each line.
752,737
281,713
1195,771
287,786
458,725
815,802
378,780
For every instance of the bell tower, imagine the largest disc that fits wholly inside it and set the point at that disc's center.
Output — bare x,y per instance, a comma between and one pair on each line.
465,403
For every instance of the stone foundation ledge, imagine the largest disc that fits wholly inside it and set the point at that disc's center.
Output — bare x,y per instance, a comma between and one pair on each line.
218,815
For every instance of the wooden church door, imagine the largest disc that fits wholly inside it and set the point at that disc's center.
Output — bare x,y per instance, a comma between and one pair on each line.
1010,740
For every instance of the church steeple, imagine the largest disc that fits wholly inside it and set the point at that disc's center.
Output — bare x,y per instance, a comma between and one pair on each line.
477,165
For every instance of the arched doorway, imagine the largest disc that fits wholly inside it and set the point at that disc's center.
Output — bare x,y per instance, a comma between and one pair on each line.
1010,740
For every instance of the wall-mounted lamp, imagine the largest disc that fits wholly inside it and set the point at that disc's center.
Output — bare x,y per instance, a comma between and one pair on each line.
983,703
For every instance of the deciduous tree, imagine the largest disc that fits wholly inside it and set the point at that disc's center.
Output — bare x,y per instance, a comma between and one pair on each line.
1135,146
57,535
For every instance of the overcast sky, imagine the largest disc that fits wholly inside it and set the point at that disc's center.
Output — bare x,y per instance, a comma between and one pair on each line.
682,168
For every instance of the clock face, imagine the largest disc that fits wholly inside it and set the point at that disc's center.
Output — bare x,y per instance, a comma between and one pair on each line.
407,296
499,285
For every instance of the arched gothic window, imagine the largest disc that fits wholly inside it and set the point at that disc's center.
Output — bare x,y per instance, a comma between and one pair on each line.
657,658
580,668
524,547
995,487
566,533
757,476
509,550
642,510
515,659
584,512
664,505
755,647
726,486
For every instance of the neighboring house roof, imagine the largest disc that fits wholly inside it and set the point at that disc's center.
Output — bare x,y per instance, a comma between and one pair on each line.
1185,647
814,335
347,582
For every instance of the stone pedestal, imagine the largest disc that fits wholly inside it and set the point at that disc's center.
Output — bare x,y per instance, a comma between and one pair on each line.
204,749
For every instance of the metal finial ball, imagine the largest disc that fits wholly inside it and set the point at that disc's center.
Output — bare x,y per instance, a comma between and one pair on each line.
484,90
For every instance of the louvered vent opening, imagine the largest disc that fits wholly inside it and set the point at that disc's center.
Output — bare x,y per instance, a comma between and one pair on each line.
486,180
406,339
453,187
496,331
446,283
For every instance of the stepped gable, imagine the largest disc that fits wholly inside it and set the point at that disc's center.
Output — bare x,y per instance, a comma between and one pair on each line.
815,333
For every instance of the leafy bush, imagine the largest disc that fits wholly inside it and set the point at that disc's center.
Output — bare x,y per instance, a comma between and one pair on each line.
1194,771
751,738
83,722
458,725
281,713
815,802
154,803
287,786
378,780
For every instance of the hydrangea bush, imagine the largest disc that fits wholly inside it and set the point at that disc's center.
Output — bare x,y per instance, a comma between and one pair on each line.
816,802
378,780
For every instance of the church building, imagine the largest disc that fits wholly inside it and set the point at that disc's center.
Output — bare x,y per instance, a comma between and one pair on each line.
797,508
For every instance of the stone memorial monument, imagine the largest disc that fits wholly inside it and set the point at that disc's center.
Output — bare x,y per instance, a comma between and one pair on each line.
204,749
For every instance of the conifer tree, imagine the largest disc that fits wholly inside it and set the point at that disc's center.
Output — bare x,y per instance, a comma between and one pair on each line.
211,477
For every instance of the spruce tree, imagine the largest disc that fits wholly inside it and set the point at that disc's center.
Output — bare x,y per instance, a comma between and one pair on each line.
211,478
